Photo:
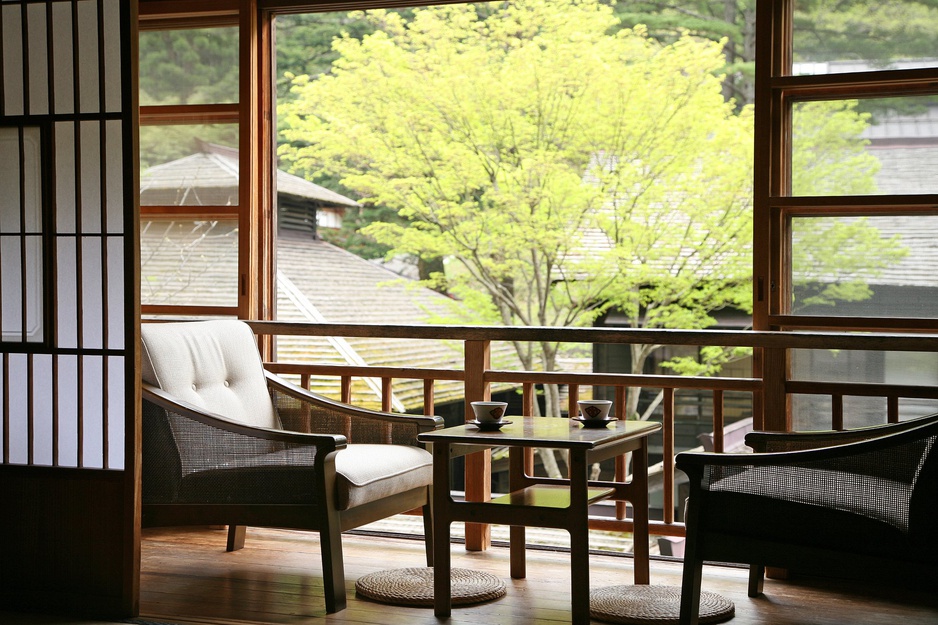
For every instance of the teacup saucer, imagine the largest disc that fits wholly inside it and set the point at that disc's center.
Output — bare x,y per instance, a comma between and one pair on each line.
489,425
594,423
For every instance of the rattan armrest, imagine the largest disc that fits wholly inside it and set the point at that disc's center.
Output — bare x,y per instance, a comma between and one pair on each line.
423,423
792,441
325,442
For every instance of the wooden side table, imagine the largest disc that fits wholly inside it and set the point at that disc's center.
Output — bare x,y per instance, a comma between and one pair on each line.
542,502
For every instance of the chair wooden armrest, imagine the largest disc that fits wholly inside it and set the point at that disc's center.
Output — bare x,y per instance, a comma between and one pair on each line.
424,423
792,441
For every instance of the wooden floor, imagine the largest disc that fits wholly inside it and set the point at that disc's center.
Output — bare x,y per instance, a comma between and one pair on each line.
188,578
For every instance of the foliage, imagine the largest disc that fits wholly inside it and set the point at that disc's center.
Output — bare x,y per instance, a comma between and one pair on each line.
189,66
558,167
562,164
877,32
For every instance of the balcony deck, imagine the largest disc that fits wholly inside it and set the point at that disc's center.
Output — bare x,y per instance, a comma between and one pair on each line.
187,577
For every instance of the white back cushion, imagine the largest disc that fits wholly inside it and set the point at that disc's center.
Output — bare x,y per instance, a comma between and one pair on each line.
211,364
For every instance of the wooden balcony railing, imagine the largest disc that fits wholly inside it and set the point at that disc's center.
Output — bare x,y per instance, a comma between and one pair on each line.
769,385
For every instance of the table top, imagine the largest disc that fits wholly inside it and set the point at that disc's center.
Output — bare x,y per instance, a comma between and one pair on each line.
560,433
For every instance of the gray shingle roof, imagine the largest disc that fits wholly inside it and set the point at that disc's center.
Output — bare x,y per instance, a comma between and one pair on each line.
210,178
317,282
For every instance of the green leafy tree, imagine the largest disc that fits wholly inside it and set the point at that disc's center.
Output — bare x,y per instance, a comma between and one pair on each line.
557,166
729,22
189,66
562,164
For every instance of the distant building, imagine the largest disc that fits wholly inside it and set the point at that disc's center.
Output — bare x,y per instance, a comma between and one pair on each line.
195,262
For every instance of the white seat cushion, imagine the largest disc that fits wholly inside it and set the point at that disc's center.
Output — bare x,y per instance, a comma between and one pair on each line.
371,472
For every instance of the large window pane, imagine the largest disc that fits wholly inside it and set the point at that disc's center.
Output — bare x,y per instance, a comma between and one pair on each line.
813,412
191,165
189,263
189,66
863,35
878,146
865,267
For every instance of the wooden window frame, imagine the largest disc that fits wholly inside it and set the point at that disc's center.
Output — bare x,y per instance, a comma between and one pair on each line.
255,294
777,91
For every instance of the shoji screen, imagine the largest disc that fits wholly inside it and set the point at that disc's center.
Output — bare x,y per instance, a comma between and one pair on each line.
66,232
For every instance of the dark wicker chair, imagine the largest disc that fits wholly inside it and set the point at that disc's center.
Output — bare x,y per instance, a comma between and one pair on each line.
838,502
227,443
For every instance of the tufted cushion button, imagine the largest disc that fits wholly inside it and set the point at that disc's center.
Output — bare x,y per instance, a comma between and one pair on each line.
226,383
194,387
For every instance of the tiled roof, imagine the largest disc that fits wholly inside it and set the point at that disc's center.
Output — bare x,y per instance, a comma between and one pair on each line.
210,178
319,282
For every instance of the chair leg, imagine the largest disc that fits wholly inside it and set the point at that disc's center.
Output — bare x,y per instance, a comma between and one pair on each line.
333,569
235,537
756,575
428,532
690,591
693,571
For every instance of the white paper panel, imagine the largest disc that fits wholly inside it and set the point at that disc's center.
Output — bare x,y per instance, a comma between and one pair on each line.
10,180
62,54
68,410
93,412
117,301
116,398
37,40
115,178
14,217
91,206
65,177
11,38
11,286
19,434
112,55
92,304
42,409
88,56
34,289
67,294
16,293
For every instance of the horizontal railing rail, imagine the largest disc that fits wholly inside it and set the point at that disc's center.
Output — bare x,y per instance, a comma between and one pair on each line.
769,386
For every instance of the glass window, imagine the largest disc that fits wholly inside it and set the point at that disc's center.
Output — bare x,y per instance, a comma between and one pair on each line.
21,237
875,266
189,66
876,146
189,165
813,412
189,262
863,35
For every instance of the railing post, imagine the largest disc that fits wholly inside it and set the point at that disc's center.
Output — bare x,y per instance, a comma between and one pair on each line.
478,465
776,403
667,456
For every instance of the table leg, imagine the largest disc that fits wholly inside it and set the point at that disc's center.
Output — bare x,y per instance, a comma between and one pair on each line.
640,512
516,535
579,539
442,599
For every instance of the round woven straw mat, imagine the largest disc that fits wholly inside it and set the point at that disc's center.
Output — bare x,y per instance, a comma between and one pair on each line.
656,605
415,586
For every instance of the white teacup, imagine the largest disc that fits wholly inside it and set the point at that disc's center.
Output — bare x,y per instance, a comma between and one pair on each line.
594,408
489,411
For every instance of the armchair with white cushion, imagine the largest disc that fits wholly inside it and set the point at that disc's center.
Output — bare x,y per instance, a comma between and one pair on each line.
227,443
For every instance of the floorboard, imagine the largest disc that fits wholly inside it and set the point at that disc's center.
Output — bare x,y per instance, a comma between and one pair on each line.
187,578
